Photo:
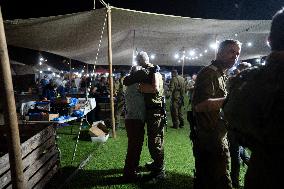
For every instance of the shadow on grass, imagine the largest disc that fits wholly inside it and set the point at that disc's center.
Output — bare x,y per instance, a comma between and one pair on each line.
58,179
112,178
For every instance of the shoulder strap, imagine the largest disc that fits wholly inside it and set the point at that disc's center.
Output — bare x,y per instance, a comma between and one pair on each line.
212,67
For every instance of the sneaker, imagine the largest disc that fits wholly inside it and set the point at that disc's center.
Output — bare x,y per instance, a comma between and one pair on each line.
154,178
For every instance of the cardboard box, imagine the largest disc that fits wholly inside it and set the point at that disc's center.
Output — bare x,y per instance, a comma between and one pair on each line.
100,139
101,125
99,132
50,117
96,132
43,117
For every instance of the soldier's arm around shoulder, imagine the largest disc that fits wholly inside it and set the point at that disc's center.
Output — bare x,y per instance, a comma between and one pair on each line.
136,77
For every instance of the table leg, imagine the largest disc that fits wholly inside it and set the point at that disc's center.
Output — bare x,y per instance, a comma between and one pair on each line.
77,140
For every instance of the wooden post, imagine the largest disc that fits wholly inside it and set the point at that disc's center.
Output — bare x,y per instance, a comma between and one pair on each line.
70,71
10,114
110,70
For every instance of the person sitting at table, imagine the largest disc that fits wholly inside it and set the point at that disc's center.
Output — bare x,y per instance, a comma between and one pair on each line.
94,115
102,88
49,91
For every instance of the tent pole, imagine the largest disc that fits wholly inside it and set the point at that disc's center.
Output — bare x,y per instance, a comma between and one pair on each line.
10,114
70,69
110,70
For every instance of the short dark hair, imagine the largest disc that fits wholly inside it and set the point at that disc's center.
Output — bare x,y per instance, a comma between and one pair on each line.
122,73
227,42
277,31
174,72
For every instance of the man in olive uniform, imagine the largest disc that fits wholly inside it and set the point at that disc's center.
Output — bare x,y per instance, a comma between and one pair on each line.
237,152
211,146
120,101
176,91
254,110
153,105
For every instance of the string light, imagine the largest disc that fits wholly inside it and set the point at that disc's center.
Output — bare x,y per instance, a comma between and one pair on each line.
249,44
196,53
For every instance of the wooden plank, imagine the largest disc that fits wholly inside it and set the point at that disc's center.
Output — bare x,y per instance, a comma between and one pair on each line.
32,161
5,179
48,167
40,162
28,146
37,140
46,178
32,157
9,187
4,163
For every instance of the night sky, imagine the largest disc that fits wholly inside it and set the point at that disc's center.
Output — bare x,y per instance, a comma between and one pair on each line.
219,9
214,9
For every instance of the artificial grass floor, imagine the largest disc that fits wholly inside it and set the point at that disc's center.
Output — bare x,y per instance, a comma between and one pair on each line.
104,169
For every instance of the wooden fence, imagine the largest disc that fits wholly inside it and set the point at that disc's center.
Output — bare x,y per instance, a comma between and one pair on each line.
40,160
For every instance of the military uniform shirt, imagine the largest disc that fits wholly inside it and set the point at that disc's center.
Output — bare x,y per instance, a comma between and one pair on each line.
210,83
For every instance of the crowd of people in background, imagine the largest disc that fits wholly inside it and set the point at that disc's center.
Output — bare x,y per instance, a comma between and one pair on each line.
226,115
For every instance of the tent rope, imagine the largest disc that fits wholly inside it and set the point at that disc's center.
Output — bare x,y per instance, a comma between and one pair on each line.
100,42
103,3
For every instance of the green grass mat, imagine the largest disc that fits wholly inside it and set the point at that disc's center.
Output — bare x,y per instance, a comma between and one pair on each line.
106,164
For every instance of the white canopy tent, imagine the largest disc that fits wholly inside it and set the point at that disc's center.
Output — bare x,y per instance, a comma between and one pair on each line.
77,36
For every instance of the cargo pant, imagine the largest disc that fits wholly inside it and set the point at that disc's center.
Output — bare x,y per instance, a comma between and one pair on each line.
155,133
119,109
211,161
176,113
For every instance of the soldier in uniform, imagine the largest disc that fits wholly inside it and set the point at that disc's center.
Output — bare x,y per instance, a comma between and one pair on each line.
153,95
119,94
134,125
211,146
176,91
237,152
254,110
